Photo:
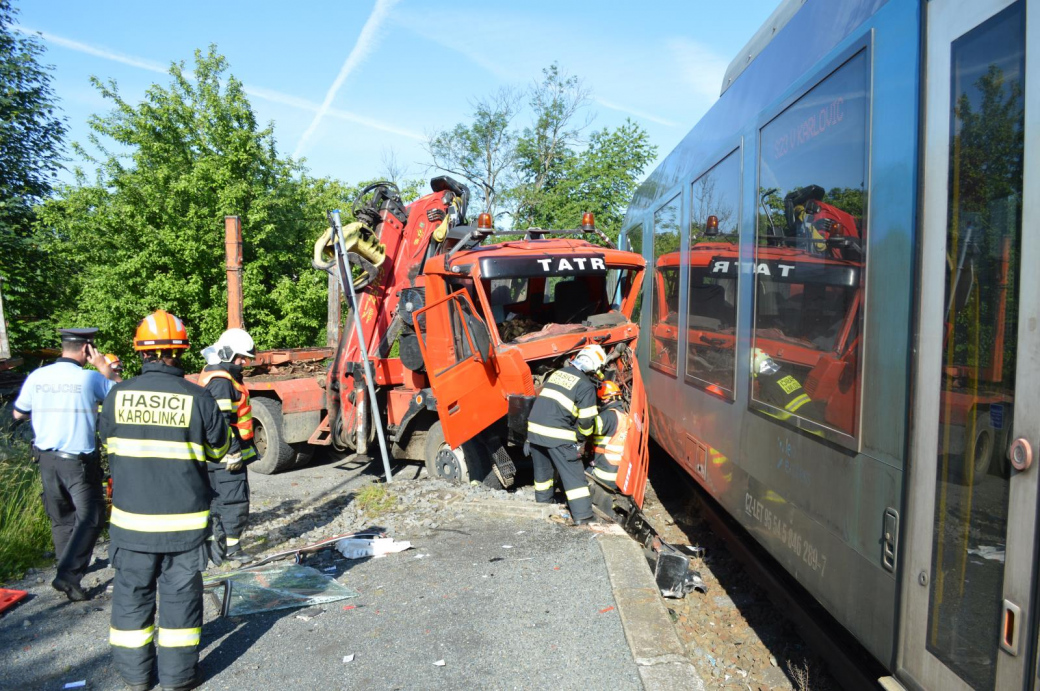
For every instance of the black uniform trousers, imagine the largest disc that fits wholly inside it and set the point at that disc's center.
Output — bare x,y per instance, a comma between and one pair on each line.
178,578
230,504
75,504
567,461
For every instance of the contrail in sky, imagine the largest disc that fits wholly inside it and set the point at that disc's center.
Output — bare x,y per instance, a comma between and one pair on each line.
258,92
366,43
97,51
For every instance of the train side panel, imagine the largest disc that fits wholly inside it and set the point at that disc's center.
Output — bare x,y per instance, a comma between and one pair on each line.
824,499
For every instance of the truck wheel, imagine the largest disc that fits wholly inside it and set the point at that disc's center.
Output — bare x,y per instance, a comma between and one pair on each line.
274,454
464,464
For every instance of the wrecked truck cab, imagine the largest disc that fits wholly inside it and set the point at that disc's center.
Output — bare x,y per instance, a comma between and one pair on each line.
500,317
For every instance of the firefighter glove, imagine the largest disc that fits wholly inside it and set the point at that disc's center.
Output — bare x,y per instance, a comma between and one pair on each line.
233,461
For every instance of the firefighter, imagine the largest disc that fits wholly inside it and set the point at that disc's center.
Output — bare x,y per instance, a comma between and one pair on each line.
62,400
229,481
782,391
563,416
612,425
161,431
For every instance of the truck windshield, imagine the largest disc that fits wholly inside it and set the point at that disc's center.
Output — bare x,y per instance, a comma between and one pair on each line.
527,307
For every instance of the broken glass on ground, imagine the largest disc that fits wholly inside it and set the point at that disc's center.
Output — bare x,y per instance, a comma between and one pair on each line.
281,587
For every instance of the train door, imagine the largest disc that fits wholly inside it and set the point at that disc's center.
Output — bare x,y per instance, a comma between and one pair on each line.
970,558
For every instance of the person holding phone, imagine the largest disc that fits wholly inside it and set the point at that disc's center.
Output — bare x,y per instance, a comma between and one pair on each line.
62,400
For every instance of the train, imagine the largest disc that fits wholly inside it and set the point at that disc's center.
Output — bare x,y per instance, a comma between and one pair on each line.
839,321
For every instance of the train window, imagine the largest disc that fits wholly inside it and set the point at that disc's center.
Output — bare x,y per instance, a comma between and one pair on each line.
711,310
634,243
810,256
664,323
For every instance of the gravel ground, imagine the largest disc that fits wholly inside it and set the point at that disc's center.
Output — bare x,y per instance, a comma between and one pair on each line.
734,635
506,603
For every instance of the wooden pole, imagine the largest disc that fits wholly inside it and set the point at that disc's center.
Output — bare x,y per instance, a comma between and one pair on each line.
5,347
233,255
334,311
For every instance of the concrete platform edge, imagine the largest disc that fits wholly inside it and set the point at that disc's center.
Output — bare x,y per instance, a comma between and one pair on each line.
651,636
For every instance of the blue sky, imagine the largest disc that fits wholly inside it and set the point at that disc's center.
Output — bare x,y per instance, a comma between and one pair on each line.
349,83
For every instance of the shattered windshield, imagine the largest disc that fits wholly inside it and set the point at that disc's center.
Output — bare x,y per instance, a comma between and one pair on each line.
526,307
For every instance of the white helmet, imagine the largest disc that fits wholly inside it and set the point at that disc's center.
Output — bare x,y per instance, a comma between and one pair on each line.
234,342
590,358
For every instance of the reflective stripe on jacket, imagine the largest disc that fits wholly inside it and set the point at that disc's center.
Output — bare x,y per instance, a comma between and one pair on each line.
243,412
611,433
161,431
564,411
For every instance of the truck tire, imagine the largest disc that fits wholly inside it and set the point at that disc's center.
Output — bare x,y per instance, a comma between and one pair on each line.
469,462
273,453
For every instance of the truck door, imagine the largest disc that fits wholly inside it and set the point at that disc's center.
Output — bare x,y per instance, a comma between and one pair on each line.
632,474
456,349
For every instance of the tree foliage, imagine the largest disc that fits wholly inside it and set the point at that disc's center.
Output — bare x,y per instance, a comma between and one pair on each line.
31,133
483,152
148,233
546,175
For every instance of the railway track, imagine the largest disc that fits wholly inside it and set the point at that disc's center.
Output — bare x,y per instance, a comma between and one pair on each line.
777,625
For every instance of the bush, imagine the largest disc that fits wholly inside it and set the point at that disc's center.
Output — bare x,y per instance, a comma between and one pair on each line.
25,530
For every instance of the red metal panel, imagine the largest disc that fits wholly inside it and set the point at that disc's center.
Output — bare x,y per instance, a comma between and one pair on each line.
296,395
398,400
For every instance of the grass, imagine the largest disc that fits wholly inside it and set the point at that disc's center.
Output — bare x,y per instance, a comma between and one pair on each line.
25,531
374,500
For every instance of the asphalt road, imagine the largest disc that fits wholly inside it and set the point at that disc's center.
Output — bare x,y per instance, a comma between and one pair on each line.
539,613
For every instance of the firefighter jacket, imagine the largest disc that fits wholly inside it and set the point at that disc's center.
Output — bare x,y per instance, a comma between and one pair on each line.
160,432
786,392
612,426
564,411
233,400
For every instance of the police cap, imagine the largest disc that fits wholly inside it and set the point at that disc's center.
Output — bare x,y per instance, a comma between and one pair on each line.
77,335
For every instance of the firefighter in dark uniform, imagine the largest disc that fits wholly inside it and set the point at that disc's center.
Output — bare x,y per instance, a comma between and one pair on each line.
782,390
161,432
62,399
612,425
223,379
563,416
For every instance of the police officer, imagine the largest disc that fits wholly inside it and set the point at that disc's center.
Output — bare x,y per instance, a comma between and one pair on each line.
612,425
63,399
563,416
161,431
229,511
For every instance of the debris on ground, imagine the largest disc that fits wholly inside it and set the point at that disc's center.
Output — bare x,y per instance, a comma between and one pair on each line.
362,547
280,587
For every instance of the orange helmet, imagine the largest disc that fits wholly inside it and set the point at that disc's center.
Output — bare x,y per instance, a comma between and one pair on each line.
160,330
608,390
114,362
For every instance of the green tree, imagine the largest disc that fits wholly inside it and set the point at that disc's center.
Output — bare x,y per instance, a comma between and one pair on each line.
482,153
148,232
602,179
31,134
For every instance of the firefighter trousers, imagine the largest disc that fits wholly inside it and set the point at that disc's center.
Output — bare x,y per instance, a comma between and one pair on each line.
178,578
567,461
230,504
75,505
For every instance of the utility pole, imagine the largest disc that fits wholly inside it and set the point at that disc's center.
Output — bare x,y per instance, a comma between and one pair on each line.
233,265
5,347
335,312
